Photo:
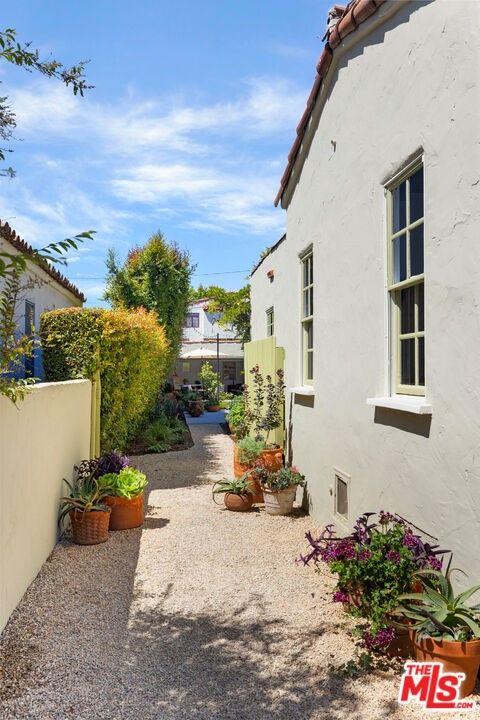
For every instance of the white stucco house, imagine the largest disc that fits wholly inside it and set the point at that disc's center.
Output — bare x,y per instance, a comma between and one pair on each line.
374,292
43,288
205,340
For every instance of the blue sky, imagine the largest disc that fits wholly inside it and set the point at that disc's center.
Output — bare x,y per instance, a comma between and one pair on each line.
187,129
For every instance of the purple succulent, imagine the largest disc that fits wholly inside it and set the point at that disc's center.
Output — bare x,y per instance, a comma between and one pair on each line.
111,462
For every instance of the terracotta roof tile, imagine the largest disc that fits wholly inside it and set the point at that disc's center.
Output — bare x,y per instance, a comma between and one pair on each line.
355,13
8,234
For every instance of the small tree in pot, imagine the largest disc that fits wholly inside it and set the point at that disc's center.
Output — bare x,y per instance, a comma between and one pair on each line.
211,385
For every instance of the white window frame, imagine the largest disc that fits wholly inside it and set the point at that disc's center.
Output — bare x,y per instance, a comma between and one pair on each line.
395,288
270,313
307,301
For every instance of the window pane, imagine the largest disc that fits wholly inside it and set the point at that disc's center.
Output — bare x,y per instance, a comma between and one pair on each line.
416,251
341,496
306,272
421,306
416,195
399,207
407,310
310,292
399,258
407,359
310,366
306,303
309,335
311,270
421,361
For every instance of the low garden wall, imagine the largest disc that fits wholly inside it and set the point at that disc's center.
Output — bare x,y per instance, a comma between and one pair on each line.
40,441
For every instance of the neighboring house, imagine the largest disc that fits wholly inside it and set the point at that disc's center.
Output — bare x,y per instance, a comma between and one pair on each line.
375,292
205,340
42,289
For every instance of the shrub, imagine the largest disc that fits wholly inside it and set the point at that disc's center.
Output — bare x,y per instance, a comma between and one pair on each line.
249,450
162,433
211,383
129,349
236,417
375,564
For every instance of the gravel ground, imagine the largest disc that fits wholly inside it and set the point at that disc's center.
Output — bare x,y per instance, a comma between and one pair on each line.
201,614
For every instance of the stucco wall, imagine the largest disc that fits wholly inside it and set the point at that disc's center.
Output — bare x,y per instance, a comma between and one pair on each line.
39,444
412,83
46,294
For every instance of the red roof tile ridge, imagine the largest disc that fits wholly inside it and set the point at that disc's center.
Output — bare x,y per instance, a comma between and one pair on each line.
9,234
355,13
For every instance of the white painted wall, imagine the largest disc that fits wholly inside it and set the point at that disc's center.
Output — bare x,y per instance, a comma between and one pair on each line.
411,83
39,444
208,324
41,289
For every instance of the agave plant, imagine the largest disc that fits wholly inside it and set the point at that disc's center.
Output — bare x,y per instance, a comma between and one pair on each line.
237,486
85,496
438,612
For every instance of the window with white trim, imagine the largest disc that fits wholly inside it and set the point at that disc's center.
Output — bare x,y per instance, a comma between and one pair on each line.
307,318
341,492
406,281
270,322
192,320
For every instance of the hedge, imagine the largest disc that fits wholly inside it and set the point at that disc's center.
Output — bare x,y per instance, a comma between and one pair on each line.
129,348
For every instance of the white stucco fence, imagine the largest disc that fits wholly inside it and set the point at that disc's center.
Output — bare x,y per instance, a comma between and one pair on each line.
40,441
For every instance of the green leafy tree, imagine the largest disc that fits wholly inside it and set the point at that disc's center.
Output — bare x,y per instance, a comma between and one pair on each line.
13,266
156,277
234,306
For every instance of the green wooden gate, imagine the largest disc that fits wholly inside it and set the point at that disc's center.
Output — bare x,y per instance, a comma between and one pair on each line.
269,358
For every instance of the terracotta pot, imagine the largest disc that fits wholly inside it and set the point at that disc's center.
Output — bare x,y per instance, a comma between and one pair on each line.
212,408
89,528
279,502
238,503
271,460
401,645
195,408
126,513
458,657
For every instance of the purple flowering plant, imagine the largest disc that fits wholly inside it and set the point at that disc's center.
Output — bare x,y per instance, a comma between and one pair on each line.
374,565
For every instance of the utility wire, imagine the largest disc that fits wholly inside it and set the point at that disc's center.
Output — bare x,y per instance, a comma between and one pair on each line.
102,277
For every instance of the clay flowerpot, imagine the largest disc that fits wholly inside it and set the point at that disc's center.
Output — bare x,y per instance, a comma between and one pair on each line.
238,503
457,657
279,502
126,513
89,528
212,408
271,459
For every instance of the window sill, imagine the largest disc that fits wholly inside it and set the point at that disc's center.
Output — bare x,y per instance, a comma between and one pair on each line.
303,390
405,403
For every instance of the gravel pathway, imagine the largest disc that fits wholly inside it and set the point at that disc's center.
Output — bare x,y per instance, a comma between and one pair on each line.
201,614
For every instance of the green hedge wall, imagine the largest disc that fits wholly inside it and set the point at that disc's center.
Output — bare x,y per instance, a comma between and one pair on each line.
129,348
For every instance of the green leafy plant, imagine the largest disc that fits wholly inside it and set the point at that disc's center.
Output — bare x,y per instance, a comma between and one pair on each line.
236,486
162,433
127,347
128,483
211,383
86,495
236,417
249,450
264,404
375,565
280,479
157,278
233,307
437,612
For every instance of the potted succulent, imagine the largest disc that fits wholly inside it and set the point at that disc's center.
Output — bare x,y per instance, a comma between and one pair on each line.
237,495
89,515
247,454
123,493
374,564
444,627
279,489
212,386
